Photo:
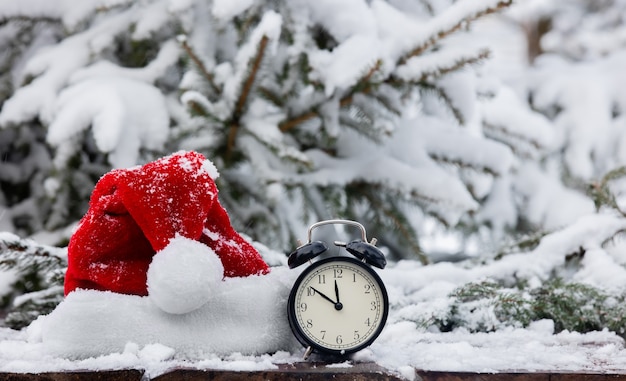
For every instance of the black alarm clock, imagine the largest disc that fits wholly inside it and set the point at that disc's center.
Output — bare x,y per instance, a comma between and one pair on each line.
338,305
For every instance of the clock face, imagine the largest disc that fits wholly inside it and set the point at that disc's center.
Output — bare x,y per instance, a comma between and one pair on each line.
338,305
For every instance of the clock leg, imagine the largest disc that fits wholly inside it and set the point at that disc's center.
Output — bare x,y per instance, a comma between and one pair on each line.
307,353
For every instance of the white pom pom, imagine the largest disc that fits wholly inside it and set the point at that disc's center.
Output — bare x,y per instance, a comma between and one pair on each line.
182,275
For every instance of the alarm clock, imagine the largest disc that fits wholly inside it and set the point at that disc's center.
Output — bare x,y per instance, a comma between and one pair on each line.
338,305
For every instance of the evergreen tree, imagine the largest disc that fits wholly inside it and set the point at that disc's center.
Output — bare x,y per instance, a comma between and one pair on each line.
575,81
309,118
576,50
38,272
374,111
306,116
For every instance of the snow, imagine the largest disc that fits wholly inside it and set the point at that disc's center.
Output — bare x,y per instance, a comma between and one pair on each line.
154,17
347,63
70,95
505,113
120,124
227,9
192,317
510,350
343,19
547,202
155,69
70,13
53,67
236,315
242,324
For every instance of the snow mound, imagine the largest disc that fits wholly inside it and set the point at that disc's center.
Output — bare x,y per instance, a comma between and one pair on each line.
244,315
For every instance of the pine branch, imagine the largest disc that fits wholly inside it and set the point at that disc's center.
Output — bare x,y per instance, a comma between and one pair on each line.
197,109
363,86
247,87
47,19
397,219
271,96
601,192
39,287
571,306
614,174
196,60
243,96
462,164
455,27
282,150
363,125
245,22
388,103
446,99
482,55
618,236
287,125
20,254
30,306
498,133
525,243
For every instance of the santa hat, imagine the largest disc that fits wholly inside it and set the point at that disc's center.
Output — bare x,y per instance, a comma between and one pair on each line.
134,213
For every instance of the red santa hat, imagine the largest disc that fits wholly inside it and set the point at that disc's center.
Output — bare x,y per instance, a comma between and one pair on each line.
134,213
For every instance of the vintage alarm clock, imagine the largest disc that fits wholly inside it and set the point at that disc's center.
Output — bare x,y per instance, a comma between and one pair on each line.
338,305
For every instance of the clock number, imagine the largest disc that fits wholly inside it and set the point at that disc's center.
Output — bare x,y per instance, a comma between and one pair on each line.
367,322
303,307
309,323
310,291
323,334
373,306
353,277
338,273
338,339
356,335
368,287
321,279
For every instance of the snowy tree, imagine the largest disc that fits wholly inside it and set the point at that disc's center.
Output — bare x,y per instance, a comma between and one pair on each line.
366,111
308,115
312,115
575,53
385,112
49,167
575,81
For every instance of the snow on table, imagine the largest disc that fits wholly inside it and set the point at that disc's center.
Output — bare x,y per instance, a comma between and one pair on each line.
415,291
401,347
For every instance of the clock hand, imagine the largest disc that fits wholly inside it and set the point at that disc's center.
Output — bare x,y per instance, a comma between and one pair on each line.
338,305
323,296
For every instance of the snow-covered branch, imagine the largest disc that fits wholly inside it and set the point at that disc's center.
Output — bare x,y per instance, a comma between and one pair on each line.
452,20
